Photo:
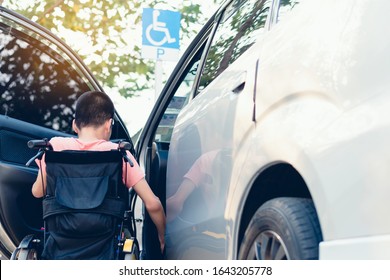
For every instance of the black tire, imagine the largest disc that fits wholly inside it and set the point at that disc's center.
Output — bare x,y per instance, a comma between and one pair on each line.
285,228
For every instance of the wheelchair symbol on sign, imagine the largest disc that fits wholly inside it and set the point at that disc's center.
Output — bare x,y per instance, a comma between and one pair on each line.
158,26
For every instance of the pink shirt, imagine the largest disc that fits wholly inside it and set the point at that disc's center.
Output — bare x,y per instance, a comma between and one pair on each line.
134,174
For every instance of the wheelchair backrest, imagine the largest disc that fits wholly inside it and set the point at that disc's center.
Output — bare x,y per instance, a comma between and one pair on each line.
84,204
81,180
88,168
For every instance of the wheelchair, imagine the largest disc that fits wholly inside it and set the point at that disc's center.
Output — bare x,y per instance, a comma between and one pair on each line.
88,213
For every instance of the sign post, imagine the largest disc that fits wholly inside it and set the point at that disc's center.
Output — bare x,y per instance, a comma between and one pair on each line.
160,39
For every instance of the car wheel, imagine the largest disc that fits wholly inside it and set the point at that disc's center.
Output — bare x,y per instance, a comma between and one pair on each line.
283,228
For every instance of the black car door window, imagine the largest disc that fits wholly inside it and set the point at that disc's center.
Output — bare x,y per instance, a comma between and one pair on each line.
240,25
285,6
37,82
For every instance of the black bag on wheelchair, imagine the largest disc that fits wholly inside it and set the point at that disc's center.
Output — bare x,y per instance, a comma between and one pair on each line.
87,210
84,205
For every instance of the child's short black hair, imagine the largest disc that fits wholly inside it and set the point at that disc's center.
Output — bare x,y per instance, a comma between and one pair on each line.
93,108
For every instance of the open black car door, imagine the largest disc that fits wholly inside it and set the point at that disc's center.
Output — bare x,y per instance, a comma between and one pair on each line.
40,80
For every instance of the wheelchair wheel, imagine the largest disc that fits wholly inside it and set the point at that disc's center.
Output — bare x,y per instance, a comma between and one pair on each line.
25,254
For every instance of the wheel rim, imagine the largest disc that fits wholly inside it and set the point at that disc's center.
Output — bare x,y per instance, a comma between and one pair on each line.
33,255
268,245
27,254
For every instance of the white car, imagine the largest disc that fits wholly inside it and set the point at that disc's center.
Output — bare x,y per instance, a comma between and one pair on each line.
279,150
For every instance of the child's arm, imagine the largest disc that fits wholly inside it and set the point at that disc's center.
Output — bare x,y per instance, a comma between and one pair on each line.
154,207
37,188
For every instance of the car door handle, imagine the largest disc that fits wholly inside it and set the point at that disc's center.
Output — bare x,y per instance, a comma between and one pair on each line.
239,81
238,89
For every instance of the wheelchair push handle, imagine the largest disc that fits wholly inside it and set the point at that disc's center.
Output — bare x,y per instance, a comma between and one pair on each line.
39,144
42,145
124,146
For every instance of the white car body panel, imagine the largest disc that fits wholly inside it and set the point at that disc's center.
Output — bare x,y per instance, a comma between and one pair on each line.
321,106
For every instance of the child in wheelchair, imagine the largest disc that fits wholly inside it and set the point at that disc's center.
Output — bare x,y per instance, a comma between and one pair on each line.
82,181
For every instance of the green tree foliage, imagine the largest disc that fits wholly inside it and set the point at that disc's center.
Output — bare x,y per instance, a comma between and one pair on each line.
112,30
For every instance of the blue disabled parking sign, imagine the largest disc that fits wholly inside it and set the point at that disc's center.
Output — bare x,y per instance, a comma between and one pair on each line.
160,34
